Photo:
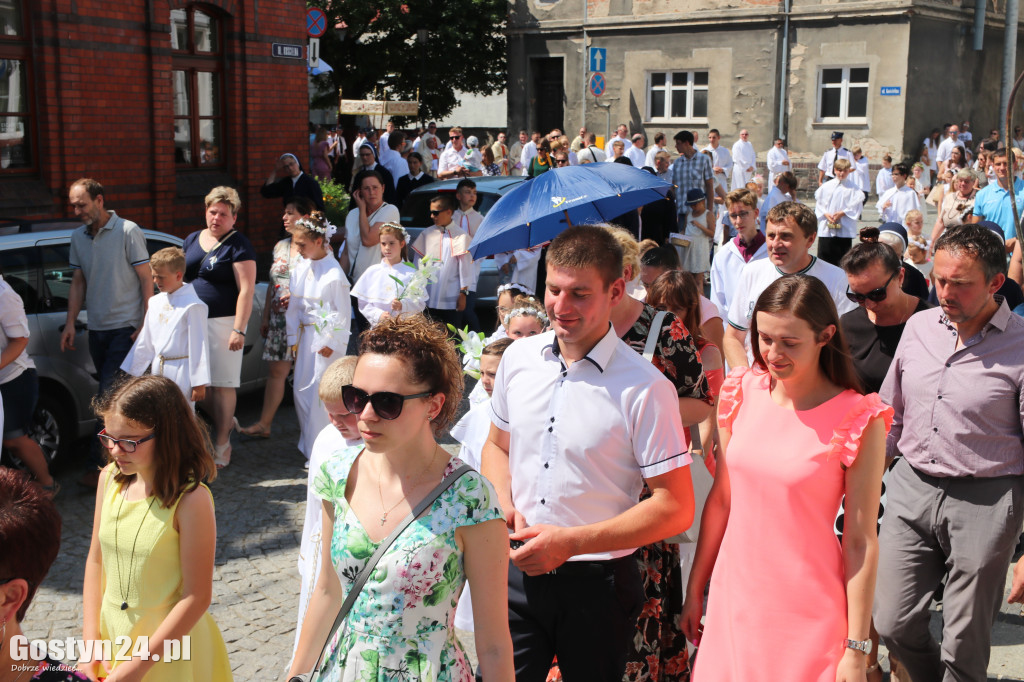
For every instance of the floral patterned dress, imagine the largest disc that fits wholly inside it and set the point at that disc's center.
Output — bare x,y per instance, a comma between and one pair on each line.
401,625
276,346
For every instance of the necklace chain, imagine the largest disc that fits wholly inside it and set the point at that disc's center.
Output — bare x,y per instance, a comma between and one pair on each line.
419,479
117,554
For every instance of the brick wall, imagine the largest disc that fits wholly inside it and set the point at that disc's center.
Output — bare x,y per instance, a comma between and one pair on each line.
103,103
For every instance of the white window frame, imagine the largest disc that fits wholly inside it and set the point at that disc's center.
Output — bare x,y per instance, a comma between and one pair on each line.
844,96
669,86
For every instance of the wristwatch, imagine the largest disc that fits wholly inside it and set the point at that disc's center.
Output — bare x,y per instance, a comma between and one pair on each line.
864,646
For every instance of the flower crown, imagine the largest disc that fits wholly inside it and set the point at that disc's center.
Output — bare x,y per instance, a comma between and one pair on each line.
527,312
322,226
399,228
521,287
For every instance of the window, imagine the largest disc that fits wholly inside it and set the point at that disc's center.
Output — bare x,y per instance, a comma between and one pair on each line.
677,95
843,93
15,97
197,81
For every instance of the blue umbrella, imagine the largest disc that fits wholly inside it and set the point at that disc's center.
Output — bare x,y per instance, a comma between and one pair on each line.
324,67
539,209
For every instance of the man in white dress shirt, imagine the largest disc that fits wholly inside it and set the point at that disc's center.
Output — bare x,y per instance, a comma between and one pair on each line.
828,159
635,151
777,160
946,147
744,161
783,190
458,161
579,421
894,204
791,232
659,146
591,153
621,133
580,141
529,151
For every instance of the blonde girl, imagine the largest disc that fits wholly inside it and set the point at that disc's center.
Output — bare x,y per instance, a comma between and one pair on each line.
378,293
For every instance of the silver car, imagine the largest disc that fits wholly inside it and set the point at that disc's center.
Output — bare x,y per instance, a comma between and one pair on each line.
35,264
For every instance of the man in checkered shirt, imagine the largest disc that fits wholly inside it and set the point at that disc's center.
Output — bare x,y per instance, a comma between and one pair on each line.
692,170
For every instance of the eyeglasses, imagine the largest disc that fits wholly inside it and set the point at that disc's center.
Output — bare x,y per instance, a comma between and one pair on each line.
877,295
739,216
387,405
562,162
126,445
434,214
503,310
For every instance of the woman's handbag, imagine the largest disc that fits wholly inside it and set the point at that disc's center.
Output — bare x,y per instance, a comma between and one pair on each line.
357,585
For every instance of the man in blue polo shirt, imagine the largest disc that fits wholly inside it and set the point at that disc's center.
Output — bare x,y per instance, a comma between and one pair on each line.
112,277
993,202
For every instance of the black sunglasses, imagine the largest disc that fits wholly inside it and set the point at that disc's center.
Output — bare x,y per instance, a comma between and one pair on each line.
126,445
455,137
877,295
387,405
434,214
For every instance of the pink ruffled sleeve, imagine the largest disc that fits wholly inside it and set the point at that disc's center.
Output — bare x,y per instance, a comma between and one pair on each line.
731,397
846,441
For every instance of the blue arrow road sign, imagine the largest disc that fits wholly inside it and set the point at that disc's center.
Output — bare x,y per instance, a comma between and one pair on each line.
598,59
597,84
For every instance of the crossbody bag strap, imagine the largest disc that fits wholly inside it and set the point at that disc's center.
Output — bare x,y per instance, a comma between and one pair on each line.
364,575
653,334
213,250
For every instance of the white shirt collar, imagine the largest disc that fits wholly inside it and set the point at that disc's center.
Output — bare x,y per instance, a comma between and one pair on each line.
600,355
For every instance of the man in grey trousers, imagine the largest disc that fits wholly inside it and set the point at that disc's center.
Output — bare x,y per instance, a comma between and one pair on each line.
955,499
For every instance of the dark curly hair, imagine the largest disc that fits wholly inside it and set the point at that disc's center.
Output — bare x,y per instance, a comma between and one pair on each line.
428,353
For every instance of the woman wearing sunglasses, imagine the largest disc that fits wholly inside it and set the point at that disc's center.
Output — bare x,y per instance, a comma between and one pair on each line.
875,274
406,388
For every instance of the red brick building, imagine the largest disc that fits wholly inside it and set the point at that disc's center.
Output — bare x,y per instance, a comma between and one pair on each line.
159,100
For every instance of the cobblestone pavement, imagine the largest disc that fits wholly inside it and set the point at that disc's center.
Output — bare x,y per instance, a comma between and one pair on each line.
259,500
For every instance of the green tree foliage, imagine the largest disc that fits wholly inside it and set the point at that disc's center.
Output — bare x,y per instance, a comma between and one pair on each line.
464,50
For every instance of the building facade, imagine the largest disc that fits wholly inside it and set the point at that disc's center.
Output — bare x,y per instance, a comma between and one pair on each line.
159,100
882,71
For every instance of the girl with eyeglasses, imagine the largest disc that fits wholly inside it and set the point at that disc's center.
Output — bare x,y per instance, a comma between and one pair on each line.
406,389
150,567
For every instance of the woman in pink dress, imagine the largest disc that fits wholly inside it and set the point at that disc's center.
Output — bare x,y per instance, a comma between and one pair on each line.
787,601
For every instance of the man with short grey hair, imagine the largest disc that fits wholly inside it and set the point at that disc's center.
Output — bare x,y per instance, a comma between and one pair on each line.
111,275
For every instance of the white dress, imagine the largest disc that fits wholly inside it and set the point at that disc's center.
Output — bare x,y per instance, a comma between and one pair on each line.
173,341
375,291
697,256
317,287
450,245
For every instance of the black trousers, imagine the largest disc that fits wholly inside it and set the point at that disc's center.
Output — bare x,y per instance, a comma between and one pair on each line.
584,613
832,249
445,316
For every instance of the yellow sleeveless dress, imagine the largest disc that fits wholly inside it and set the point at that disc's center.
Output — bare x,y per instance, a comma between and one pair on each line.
155,587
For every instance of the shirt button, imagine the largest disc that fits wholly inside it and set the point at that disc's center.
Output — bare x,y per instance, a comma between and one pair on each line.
552,420
935,429
933,461
939,397
947,364
550,429
545,465
543,502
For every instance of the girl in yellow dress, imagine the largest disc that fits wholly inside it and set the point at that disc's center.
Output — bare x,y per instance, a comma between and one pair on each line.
149,575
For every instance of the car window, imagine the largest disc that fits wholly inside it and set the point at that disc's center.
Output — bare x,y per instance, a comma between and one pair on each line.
154,245
20,269
57,274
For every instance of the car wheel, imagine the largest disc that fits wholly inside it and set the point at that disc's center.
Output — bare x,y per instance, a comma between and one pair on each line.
51,427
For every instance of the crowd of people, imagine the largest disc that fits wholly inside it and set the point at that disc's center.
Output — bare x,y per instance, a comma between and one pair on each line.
616,404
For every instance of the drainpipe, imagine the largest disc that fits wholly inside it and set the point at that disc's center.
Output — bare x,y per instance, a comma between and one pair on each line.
585,59
1009,59
979,24
783,72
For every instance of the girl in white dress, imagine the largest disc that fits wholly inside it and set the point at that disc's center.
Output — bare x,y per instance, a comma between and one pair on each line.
527,318
317,320
700,229
378,293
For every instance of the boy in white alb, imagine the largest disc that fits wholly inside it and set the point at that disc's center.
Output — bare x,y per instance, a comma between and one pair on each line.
746,247
342,432
838,204
792,228
446,298
172,342
468,219
898,200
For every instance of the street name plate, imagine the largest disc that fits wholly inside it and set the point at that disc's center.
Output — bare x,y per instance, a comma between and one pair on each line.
287,51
